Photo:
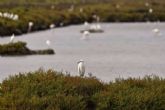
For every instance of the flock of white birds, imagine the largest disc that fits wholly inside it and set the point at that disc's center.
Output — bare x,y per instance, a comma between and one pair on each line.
10,16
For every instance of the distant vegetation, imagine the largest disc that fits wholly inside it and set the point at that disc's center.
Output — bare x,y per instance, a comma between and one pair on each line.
19,48
51,90
64,12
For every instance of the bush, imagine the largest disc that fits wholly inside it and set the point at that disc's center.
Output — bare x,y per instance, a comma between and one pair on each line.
136,94
47,90
19,48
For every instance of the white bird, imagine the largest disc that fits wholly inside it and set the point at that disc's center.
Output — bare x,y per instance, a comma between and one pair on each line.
48,42
98,27
5,15
12,38
86,23
52,26
30,26
150,10
15,17
156,30
11,15
81,68
85,35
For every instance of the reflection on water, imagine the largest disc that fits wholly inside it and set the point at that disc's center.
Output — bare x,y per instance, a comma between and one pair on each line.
123,50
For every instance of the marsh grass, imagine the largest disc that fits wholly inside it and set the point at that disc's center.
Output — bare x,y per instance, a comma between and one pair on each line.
43,16
47,90
20,48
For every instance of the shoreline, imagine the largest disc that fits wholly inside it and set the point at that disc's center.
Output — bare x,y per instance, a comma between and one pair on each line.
42,17
150,22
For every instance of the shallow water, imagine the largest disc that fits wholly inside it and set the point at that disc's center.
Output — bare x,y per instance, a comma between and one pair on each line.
123,50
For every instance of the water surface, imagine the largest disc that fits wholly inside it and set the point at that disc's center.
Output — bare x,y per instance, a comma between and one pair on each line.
123,50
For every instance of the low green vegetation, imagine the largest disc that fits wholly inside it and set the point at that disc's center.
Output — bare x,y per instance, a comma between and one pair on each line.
62,13
93,31
19,48
51,90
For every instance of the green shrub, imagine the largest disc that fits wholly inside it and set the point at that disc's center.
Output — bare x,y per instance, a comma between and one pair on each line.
51,90
19,48
136,94
46,91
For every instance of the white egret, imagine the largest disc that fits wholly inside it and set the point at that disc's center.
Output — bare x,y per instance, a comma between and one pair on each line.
5,15
52,26
86,23
11,15
30,23
85,35
156,30
98,27
15,17
81,68
150,10
12,38
48,42
30,26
